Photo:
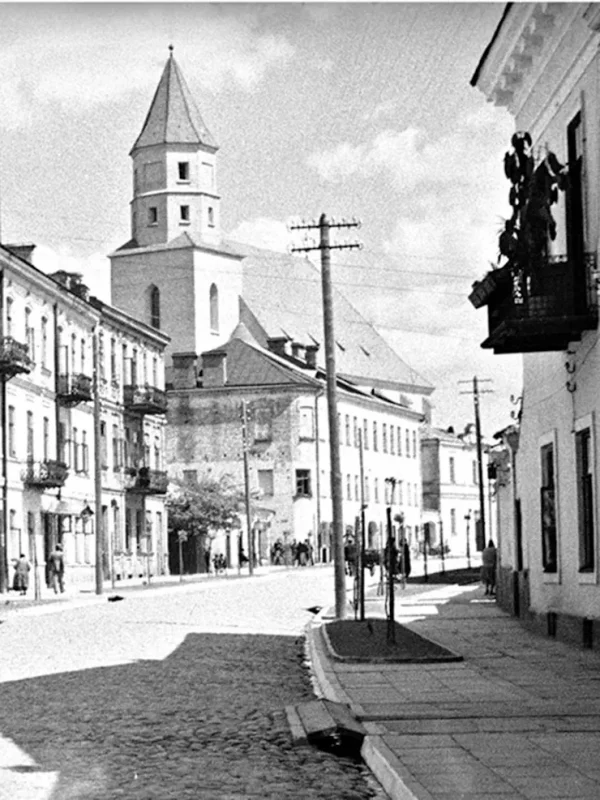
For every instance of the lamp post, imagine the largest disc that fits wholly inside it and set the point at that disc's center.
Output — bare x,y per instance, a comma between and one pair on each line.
468,519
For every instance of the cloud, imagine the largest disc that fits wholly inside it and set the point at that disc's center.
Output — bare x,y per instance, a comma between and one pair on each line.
218,50
270,234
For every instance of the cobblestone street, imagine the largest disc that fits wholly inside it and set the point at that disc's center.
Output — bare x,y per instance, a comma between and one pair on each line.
146,698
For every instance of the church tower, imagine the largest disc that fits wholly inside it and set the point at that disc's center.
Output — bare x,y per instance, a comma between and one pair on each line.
174,164
175,273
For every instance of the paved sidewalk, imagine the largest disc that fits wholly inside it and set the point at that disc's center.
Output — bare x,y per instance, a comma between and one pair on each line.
518,718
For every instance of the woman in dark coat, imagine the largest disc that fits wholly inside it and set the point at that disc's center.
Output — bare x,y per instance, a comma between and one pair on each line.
21,580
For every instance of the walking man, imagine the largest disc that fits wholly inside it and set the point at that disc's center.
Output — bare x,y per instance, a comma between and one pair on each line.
56,562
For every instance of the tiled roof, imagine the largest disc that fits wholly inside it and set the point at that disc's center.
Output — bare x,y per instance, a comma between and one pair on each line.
248,365
174,117
283,294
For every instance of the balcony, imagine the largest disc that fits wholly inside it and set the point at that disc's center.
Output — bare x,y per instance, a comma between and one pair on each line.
145,399
534,311
45,474
148,481
14,358
74,389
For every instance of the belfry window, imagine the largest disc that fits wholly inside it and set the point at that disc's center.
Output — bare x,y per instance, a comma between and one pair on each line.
183,168
153,215
184,214
214,309
211,217
155,306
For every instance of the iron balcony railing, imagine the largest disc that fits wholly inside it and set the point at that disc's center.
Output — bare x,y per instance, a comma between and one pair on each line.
74,388
14,357
45,474
145,399
147,481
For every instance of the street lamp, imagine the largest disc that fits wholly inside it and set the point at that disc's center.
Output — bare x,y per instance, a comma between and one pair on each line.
468,519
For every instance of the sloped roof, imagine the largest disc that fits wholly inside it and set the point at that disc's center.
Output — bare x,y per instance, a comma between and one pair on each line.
174,117
283,294
250,365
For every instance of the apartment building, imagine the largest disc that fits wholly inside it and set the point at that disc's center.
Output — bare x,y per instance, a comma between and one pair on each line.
67,404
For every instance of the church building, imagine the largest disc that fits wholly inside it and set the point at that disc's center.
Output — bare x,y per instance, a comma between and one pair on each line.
180,274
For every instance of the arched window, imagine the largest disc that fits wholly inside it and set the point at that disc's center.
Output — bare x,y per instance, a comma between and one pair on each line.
154,307
214,309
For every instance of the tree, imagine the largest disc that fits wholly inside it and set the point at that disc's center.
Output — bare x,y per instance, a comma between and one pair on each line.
200,509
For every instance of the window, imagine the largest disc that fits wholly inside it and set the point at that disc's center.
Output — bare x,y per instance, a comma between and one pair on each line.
347,426
375,445
183,170
400,493
384,439
103,446
214,309
154,371
356,488
575,193
124,364
585,498
348,487
407,442
44,353
548,510
367,491
62,443
116,527
365,434
392,441
399,441
155,306
73,369
85,455
11,432
453,522
29,334
303,483
355,432
190,476
376,490
101,367
116,454
307,422
414,443
30,435
262,425
211,217
265,482
475,472
113,361
9,319
452,470
83,356
75,445
128,529
46,440
153,215
184,214
146,449
157,464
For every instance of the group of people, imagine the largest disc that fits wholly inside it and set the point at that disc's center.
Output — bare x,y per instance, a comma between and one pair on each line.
55,566
298,554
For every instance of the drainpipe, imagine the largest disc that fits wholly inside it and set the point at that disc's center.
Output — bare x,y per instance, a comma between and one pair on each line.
318,470
4,529
99,523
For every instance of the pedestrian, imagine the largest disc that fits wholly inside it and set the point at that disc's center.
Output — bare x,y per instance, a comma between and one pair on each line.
56,562
350,556
489,558
404,565
21,579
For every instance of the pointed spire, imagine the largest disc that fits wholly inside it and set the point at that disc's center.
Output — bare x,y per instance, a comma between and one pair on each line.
174,117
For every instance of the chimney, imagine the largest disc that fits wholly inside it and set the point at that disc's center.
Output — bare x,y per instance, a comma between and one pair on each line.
298,350
184,370
24,251
214,369
278,345
311,355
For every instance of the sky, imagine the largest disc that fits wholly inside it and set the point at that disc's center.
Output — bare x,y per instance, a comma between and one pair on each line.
360,111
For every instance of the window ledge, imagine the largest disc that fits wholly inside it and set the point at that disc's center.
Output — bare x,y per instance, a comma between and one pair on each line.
587,578
551,577
185,222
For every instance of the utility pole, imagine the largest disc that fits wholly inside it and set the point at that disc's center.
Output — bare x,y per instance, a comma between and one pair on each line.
247,488
99,527
476,391
324,246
